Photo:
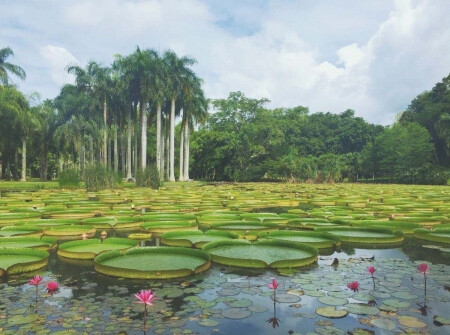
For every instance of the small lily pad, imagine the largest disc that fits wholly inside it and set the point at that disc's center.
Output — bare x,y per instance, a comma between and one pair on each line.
441,321
21,320
383,323
362,309
331,312
258,308
287,298
240,303
333,301
209,323
397,303
236,313
410,321
404,295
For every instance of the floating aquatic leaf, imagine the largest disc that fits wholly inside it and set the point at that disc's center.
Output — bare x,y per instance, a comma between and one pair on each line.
441,321
412,322
208,323
239,303
397,303
362,309
404,295
333,301
287,298
331,312
383,323
236,313
21,320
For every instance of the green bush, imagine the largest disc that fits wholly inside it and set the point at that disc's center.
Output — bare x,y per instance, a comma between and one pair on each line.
148,177
97,177
426,175
69,178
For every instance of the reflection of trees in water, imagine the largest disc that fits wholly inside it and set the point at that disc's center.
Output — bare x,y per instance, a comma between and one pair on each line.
414,250
348,249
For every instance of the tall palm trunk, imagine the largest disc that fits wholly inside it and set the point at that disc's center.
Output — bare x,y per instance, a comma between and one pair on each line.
143,134
122,151
186,152
162,174
172,141
181,177
24,159
129,144
158,138
91,150
167,150
116,149
105,135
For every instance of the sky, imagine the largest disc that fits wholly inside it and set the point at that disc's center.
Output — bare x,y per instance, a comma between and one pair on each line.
372,56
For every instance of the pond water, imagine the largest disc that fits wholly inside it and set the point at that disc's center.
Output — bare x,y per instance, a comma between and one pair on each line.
225,300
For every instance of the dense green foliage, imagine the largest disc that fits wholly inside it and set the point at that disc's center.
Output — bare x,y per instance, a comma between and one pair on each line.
431,109
69,178
97,177
122,116
148,177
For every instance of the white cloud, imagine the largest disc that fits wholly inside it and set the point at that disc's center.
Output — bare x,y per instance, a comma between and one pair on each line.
58,58
374,57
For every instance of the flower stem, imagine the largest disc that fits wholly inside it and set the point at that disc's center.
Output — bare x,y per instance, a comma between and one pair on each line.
373,280
145,316
425,277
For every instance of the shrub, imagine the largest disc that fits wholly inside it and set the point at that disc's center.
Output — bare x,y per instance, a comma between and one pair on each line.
97,177
427,175
148,177
69,178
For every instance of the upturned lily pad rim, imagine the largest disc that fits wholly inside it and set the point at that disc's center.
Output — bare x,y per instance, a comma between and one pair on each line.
258,263
22,267
69,230
64,248
394,236
260,226
156,273
333,239
436,235
43,242
181,238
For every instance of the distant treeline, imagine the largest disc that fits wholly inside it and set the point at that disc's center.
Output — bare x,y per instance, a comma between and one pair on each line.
245,141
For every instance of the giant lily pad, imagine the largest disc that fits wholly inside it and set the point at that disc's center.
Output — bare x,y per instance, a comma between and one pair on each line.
315,239
261,254
365,235
36,242
88,249
195,238
153,262
19,260
437,235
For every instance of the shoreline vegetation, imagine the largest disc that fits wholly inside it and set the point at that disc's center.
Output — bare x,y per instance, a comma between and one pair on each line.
117,122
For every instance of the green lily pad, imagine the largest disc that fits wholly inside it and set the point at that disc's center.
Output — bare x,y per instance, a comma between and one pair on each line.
239,303
287,298
397,303
441,321
383,323
258,308
333,301
17,320
236,313
331,312
362,309
404,295
209,323
410,321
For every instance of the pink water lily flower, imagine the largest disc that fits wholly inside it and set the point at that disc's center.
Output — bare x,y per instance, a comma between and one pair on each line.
423,268
146,297
35,281
274,285
371,269
354,286
52,287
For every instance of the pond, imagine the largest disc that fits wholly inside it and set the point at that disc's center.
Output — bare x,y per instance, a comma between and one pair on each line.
227,300
390,227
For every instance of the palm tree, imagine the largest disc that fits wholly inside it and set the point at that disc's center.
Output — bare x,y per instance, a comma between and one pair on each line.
194,111
95,80
178,71
6,67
